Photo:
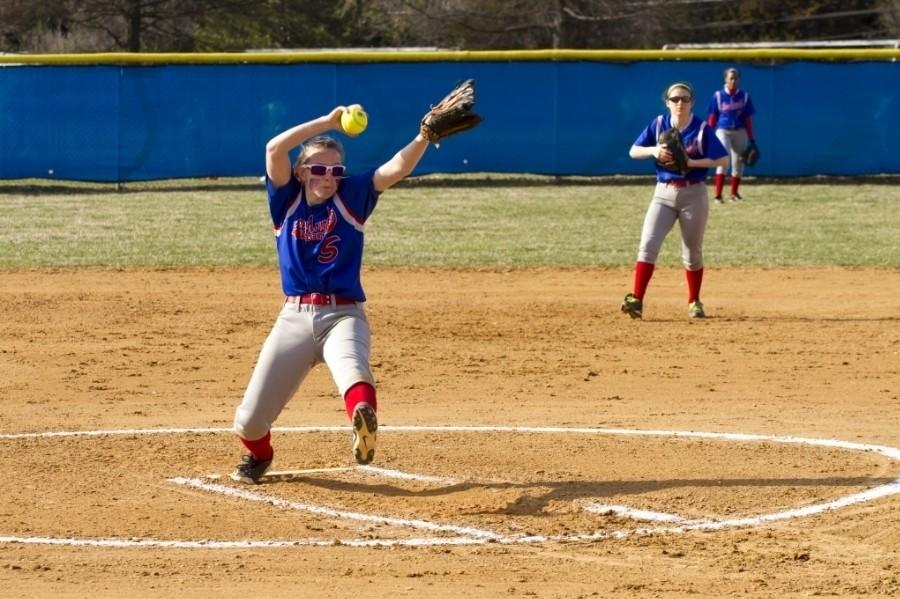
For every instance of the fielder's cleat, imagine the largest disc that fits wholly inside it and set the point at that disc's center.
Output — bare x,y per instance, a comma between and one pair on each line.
633,306
719,200
250,470
695,310
365,429
736,197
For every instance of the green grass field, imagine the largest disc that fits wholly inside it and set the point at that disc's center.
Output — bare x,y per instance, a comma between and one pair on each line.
500,222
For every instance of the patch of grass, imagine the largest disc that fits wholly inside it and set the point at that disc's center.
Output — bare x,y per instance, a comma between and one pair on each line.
146,225
518,222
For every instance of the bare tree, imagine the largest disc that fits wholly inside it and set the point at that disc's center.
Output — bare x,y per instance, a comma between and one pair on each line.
287,24
137,25
102,25
526,24
19,19
890,19
237,25
469,24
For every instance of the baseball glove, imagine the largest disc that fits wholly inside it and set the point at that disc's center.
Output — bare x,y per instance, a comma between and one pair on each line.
751,154
671,139
452,115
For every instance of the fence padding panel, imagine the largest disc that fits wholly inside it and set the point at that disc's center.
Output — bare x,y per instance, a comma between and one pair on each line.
128,123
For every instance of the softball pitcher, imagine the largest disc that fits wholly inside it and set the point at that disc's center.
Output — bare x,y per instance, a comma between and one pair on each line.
729,113
319,213
677,197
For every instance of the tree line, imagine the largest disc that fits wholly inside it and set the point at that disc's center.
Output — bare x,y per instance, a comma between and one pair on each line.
67,26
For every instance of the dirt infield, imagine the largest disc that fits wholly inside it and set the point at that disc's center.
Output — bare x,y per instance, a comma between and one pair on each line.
528,444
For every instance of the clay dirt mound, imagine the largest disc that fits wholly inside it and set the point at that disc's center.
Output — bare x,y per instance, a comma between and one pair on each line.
785,352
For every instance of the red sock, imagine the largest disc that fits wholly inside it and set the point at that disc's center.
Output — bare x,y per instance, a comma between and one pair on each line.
735,183
694,281
720,183
642,273
261,448
360,393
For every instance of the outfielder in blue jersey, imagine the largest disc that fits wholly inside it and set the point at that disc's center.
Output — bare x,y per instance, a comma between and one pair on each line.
319,213
680,197
729,112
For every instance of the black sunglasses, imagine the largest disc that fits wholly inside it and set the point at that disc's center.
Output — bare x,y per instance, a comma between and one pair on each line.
677,99
320,170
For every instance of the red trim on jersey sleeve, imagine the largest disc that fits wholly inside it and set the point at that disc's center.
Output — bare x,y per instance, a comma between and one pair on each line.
712,120
342,206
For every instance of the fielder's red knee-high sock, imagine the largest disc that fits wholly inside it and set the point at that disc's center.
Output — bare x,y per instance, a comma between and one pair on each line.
720,183
360,393
642,273
694,281
261,448
735,183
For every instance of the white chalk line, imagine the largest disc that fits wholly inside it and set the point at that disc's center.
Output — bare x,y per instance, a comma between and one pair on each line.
469,535
334,513
425,478
892,488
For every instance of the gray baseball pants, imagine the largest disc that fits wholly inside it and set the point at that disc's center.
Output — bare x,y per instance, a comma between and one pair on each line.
687,205
304,335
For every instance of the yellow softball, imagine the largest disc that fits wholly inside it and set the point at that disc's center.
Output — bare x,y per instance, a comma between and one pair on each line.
354,120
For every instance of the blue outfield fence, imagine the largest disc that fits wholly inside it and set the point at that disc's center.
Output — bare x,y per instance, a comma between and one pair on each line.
109,122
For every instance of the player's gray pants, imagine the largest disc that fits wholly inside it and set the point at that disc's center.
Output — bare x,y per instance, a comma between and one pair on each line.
304,335
735,141
687,205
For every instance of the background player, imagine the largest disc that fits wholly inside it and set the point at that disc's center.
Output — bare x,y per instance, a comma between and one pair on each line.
729,113
319,213
676,197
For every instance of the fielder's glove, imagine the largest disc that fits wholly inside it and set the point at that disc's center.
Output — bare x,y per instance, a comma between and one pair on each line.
452,115
750,156
671,139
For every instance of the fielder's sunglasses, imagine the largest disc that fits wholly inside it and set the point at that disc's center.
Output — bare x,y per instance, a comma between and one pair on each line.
320,170
677,99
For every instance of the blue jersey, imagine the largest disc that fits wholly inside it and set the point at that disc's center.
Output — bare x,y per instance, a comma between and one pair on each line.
699,141
320,248
730,109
